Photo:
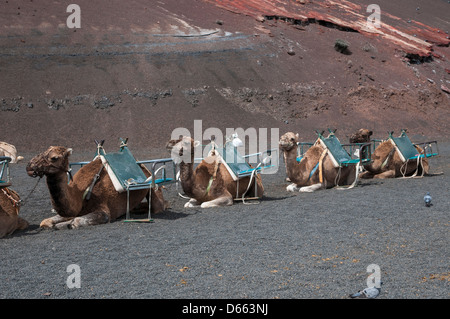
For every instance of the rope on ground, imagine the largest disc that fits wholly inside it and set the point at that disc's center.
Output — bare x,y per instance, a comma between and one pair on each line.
249,185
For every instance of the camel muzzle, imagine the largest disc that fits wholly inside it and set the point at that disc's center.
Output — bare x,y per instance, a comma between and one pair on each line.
33,173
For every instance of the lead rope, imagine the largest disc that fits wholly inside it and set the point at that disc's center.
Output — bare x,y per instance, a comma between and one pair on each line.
250,184
22,202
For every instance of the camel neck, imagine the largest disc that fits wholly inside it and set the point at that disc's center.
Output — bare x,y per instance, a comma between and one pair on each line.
187,177
61,194
295,173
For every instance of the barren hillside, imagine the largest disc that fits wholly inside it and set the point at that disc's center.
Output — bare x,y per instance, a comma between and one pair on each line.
141,68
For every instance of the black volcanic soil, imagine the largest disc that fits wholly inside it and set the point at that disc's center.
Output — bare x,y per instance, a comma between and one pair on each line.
140,69
289,246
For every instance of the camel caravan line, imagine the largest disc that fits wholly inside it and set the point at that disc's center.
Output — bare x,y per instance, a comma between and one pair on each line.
113,185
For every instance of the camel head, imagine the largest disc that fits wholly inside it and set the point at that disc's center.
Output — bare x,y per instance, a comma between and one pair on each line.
52,161
182,149
362,136
288,141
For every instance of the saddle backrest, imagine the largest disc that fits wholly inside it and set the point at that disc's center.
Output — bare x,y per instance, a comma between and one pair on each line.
404,147
337,153
122,168
4,171
235,163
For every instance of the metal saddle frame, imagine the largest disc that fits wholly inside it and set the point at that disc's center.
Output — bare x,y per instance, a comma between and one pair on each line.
339,155
126,173
4,171
238,165
408,151
342,155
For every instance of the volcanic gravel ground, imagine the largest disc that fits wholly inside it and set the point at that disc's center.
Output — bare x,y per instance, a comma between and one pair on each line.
302,245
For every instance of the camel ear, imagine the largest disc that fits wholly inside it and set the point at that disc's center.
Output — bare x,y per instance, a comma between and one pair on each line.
68,152
196,143
370,133
297,135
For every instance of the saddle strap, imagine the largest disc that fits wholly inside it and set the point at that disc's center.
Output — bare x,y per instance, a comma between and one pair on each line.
15,203
321,165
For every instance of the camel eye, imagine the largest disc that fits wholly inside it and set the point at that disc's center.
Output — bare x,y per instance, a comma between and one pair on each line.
292,139
54,158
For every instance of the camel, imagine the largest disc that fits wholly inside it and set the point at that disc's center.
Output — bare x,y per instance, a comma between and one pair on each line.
386,161
210,184
9,150
316,170
73,210
9,212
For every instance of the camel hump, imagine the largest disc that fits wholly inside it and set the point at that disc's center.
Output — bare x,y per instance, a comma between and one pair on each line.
9,150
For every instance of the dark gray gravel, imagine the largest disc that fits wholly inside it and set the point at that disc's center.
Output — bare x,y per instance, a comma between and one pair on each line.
289,246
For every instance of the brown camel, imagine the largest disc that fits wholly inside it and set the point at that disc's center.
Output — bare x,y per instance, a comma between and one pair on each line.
386,161
9,150
315,170
73,210
210,184
9,212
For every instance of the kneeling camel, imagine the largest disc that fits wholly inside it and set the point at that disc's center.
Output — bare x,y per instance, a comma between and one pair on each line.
315,170
9,212
386,161
68,197
210,184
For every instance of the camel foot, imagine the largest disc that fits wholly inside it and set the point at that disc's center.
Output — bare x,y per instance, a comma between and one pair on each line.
310,189
46,223
221,201
54,222
22,224
192,203
387,174
292,188
366,175
89,219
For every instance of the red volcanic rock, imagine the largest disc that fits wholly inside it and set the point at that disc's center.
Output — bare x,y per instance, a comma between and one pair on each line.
413,37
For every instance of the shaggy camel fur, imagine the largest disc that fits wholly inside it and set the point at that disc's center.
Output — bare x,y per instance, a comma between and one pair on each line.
302,174
386,162
73,210
9,212
210,184
10,151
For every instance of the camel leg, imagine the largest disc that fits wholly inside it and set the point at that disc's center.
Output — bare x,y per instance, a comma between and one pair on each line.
52,222
311,188
192,203
387,174
366,175
21,223
95,218
226,200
